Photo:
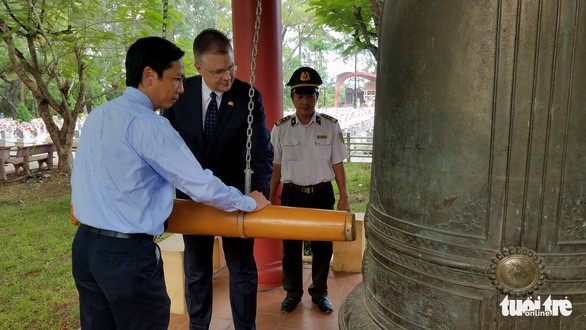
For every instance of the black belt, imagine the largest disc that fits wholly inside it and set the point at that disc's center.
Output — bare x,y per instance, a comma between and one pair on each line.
115,234
308,189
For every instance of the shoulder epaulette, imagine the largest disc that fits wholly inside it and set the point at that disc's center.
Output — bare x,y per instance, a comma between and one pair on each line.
282,120
332,119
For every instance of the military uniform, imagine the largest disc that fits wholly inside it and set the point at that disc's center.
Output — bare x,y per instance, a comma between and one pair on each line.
306,153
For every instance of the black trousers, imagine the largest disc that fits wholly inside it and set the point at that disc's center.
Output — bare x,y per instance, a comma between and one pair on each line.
199,268
120,283
321,250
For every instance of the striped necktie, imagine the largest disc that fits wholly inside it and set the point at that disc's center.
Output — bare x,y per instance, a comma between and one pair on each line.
211,116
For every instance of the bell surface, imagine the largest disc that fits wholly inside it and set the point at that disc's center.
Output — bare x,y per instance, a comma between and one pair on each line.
477,212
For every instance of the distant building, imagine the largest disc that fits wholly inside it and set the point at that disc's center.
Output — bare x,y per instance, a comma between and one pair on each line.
349,96
369,93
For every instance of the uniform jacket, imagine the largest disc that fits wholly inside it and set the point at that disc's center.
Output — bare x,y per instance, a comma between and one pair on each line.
225,154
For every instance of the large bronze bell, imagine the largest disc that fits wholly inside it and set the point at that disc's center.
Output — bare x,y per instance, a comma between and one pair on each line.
478,191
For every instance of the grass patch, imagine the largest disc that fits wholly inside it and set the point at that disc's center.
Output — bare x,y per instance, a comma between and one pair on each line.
37,290
35,232
358,185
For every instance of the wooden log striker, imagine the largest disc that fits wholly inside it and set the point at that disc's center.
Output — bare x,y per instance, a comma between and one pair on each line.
276,222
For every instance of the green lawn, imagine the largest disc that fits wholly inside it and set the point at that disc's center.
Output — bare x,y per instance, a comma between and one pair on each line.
36,287
358,185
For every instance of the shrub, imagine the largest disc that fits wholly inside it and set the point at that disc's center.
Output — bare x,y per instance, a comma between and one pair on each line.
23,114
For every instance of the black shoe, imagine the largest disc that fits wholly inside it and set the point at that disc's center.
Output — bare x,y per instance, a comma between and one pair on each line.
289,304
323,304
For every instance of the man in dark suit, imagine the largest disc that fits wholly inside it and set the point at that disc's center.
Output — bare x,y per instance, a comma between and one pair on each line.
211,116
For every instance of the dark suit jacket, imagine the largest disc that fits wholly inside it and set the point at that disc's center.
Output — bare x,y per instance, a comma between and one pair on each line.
225,154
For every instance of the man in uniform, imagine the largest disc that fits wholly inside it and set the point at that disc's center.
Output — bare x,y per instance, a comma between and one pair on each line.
309,152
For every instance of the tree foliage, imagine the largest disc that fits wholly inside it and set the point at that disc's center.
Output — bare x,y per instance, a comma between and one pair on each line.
22,113
355,19
64,57
190,17
305,43
69,53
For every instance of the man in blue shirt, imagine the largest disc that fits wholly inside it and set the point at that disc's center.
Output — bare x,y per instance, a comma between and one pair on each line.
122,183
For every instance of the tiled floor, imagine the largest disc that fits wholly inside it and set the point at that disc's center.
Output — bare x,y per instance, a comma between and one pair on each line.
269,316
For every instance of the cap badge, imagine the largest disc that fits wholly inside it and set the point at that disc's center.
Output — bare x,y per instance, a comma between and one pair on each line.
305,76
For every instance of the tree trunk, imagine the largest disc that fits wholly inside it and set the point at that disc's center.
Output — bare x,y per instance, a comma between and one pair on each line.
12,89
65,155
62,137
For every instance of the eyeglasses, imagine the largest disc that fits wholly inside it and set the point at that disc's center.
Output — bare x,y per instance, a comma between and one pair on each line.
221,72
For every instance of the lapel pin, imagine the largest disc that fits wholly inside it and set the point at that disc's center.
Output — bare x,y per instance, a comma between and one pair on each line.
231,103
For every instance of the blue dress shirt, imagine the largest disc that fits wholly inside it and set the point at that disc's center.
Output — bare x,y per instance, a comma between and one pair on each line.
127,163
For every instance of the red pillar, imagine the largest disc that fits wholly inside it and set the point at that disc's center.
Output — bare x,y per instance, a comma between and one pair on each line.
269,81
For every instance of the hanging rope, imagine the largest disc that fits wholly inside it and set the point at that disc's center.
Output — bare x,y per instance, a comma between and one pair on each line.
248,171
165,11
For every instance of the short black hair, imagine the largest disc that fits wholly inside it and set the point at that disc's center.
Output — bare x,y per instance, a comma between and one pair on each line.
155,52
212,41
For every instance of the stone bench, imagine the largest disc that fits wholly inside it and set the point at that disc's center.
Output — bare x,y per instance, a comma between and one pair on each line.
40,153
4,156
347,258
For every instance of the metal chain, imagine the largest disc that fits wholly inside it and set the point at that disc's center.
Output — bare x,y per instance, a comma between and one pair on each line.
248,171
165,11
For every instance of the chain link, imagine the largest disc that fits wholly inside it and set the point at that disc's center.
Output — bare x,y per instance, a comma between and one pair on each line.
165,11
248,171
